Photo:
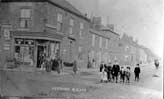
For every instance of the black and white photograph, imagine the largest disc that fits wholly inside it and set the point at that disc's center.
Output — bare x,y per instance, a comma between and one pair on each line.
81,49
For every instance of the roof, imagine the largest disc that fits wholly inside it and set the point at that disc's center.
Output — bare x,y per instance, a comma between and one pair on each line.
108,29
67,5
99,33
63,4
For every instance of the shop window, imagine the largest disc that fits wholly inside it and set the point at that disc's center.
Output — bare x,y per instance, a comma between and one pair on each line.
19,41
29,42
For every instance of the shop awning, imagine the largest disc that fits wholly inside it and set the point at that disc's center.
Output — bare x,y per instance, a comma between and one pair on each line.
38,35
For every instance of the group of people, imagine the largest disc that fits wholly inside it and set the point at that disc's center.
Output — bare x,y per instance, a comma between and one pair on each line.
49,64
111,73
54,64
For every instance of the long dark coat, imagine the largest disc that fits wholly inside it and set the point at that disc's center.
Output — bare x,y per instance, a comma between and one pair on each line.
116,69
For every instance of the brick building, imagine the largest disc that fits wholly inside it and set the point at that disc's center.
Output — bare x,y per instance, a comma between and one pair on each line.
54,28
129,50
103,43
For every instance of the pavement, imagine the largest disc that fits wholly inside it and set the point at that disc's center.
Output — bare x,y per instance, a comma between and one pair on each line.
83,85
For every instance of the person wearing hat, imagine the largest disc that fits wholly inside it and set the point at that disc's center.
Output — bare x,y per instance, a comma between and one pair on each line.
137,71
115,69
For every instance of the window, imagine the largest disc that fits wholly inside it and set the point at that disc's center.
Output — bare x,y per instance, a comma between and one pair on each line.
93,40
80,49
106,43
126,57
92,54
81,26
70,30
59,22
81,30
25,18
109,43
126,48
80,34
71,23
100,43
80,53
99,55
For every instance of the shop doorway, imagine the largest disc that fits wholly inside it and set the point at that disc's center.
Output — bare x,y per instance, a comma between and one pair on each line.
41,55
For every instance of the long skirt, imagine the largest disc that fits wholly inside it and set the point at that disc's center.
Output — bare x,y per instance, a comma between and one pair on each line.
104,76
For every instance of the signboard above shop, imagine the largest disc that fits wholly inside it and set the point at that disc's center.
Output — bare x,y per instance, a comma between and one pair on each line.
6,28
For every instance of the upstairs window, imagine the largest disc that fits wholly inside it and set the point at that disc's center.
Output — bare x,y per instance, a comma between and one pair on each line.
100,42
25,18
81,30
93,40
71,24
80,34
81,26
59,22
106,43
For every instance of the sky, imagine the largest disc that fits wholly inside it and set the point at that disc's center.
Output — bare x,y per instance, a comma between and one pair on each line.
142,19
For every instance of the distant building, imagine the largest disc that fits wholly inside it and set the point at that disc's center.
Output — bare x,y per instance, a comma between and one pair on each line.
110,26
96,23
128,50
150,55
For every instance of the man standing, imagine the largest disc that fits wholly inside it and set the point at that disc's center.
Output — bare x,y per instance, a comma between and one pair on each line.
137,72
116,69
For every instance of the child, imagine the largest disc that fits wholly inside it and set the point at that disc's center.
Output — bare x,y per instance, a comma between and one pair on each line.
127,74
104,75
103,72
122,74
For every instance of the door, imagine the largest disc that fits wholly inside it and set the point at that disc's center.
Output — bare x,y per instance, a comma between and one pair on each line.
41,55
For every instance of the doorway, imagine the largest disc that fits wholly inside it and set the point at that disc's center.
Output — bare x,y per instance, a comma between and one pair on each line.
41,55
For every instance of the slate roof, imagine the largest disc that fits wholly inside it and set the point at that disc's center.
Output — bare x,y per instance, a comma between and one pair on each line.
67,5
63,4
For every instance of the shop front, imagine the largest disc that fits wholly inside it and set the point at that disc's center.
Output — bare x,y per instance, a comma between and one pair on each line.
32,51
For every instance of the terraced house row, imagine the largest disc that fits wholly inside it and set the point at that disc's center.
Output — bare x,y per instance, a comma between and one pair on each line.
29,28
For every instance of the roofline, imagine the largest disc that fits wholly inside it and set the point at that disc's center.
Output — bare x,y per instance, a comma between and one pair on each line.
49,1
98,33
81,16
110,31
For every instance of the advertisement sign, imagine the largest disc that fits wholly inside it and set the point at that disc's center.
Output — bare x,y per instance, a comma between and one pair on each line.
6,31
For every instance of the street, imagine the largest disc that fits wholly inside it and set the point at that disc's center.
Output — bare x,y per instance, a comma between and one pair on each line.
84,85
